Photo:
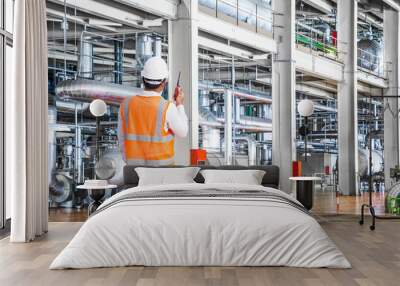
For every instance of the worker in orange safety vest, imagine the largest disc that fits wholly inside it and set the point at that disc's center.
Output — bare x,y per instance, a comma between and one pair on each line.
148,123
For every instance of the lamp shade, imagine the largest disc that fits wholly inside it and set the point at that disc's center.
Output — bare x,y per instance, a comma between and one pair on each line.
305,107
98,107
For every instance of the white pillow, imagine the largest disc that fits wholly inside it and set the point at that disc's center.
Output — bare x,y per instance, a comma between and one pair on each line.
248,177
166,176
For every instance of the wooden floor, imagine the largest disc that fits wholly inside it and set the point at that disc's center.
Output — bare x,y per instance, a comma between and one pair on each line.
324,203
68,214
375,257
327,203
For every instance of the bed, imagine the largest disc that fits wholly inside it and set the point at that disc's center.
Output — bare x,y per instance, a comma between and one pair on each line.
201,224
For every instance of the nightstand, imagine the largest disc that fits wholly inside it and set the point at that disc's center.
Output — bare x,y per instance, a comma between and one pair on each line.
305,190
97,194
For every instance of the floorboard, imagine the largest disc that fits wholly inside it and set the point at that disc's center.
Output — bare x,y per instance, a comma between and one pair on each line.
375,257
325,203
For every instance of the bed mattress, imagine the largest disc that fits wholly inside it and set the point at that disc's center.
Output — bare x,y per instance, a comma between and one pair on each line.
201,225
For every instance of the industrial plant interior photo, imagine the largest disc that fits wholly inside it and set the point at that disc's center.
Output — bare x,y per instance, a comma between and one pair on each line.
199,142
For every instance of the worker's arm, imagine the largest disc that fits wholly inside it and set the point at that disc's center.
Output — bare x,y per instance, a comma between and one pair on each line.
177,120
121,134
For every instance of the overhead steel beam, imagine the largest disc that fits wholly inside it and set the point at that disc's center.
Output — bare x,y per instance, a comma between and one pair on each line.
97,61
366,89
102,10
371,79
370,20
227,75
321,85
164,8
393,4
319,66
218,27
321,5
327,8
307,89
78,20
97,22
223,48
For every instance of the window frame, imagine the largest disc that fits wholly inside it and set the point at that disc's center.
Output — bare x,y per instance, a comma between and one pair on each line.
6,39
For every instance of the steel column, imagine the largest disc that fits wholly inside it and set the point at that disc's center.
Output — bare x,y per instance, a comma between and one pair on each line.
283,92
183,57
347,97
391,117
228,126
2,115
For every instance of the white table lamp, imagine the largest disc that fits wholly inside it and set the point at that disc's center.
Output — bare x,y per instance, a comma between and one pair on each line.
98,108
305,109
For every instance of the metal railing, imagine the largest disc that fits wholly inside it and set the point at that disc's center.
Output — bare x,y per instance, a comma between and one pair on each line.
245,13
316,41
103,74
371,62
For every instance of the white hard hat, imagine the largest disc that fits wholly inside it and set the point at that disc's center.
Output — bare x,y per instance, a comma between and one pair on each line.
155,69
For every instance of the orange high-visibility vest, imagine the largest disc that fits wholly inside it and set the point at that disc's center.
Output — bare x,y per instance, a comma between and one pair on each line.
146,141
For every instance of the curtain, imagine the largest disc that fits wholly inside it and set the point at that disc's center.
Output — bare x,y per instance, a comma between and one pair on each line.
26,123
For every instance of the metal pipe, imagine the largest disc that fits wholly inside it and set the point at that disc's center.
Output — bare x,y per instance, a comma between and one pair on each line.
251,148
157,47
88,90
78,150
97,139
228,127
305,138
233,122
118,61
85,67
71,106
65,27
144,48
237,109
52,119
266,99
370,123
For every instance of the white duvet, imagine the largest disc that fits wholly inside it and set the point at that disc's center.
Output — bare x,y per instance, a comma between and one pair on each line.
200,231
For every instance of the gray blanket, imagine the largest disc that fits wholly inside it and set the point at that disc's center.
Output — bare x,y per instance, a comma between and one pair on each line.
211,193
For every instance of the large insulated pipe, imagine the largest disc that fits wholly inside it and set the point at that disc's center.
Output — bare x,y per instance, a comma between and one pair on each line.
110,166
253,122
211,138
52,119
369,54
251,148
363,162
204,99
324,108
79,176
228,126
265,99
237,109
71,106
88,90
157,47
85,67
144,48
